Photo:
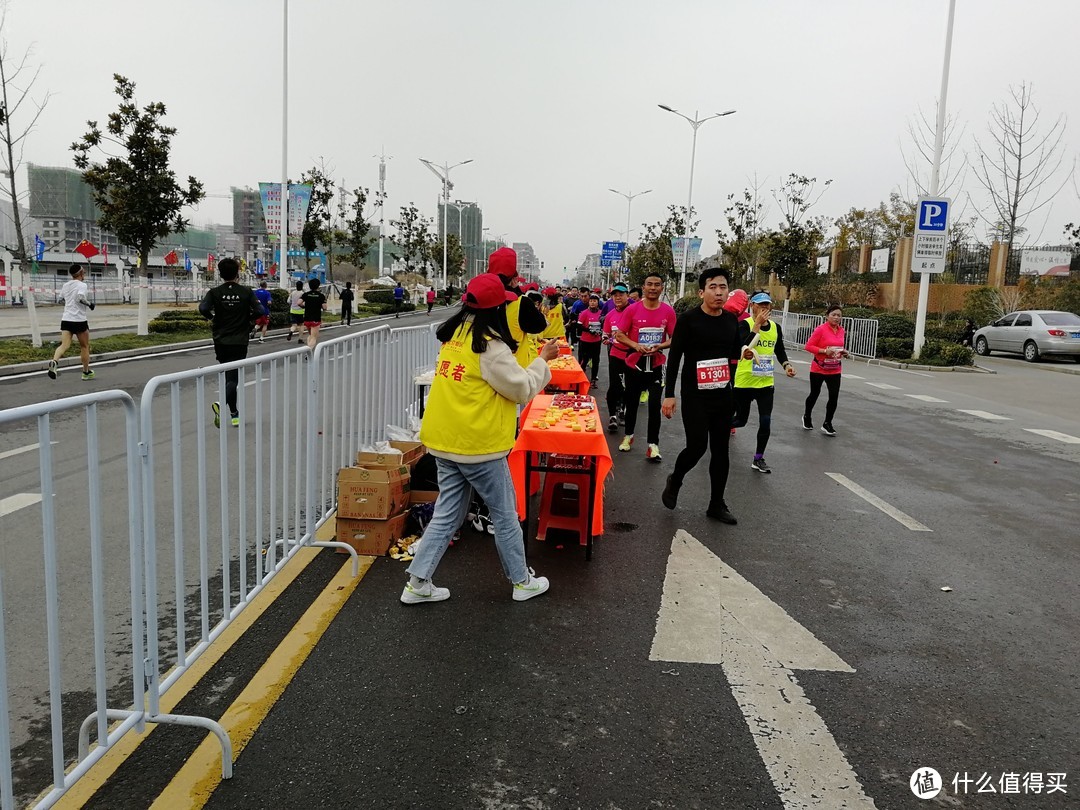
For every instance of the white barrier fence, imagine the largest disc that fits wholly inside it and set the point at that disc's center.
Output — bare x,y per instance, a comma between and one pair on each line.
212,515
860,334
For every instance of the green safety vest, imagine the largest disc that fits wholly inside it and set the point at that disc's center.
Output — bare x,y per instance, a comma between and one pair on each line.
758,373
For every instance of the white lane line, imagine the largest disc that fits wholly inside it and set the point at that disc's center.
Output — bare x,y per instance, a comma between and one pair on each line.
874,500
853,376
1053,434
916,373
801,362
986,415
19,450
885,386
16,502
256,382
709,614
925,398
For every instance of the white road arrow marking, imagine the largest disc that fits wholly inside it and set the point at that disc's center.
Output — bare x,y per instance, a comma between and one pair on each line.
887,508
710,614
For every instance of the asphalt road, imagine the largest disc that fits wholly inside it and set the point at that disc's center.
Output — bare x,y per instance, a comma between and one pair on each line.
572,700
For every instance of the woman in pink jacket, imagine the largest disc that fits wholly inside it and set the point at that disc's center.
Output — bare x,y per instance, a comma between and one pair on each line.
827,346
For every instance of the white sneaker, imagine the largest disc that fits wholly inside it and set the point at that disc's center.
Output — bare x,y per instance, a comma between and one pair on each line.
426,592
533,586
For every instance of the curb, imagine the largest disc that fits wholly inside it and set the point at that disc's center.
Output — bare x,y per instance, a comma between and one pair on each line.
920,367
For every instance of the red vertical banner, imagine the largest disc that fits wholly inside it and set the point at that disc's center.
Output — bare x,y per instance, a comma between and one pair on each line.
211,264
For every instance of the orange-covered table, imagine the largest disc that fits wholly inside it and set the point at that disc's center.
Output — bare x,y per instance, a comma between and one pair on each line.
567,375
528,458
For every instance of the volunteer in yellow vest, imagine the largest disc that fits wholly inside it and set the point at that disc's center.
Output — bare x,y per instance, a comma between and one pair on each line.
522,316
763,345
553,311
469,427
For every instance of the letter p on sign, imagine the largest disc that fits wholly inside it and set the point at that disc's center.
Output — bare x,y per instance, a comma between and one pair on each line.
933,215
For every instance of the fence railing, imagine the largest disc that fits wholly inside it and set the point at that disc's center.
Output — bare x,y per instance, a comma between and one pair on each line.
212,515
860,334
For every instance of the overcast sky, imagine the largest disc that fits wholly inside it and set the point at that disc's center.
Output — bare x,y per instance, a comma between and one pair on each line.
554,100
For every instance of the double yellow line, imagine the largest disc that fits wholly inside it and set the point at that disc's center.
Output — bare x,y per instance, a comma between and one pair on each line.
196,781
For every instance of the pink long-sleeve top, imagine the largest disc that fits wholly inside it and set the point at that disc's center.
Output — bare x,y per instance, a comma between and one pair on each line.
822,338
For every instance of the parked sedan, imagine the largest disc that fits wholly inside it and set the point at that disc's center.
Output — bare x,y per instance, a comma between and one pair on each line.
1032,333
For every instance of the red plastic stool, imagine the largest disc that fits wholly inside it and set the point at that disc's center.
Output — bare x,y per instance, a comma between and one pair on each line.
564,503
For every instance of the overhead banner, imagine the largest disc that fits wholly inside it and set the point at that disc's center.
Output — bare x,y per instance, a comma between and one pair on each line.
299,199
678,245
1045,262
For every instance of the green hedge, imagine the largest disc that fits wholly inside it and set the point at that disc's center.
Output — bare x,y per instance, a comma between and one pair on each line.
945,353
891,325
178,320
686,303
380,296
894,348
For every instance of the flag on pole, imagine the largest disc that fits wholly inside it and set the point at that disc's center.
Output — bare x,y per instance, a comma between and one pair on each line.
211,264
187,261
86,249
39,248
171,258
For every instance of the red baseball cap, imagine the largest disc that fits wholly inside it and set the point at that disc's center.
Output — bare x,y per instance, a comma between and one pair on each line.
486,292
549,291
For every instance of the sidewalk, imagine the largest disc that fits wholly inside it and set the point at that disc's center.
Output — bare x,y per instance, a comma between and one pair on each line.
15,321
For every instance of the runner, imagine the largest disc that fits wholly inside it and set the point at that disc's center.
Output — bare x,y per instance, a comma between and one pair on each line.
74,323
347,297
296,310
469,426
646,329
827,345
231,307
262,323
314,306
616,392
430,300
743,316
399,299
705,340
754,375
591,326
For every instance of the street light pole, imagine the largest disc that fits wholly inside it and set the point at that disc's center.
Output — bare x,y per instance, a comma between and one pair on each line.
629,199
382,208
443,173
935,179
695,124
283,260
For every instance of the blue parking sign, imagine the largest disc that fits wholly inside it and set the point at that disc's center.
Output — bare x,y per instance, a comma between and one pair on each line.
933,215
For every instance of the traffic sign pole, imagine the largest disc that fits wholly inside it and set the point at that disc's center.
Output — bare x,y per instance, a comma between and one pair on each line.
935,178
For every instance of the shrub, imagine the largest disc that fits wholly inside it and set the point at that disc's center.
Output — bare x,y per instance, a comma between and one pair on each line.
390,309
983,305
178,315
942,353
895,348
860,312
178,320
376,296
895,325
949,331
686,303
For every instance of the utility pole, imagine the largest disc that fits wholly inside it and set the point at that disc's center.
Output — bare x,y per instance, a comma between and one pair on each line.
382,208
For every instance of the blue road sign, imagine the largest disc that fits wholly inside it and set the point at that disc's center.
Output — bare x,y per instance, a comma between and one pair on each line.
605,261
933,215
612,251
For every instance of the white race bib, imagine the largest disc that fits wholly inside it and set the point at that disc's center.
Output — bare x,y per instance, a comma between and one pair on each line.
595,327
713,374
762,366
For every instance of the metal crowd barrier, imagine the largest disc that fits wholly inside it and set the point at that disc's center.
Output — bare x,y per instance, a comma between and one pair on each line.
860,334
212,515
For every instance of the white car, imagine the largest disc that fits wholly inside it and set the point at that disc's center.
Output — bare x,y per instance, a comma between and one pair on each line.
1032,333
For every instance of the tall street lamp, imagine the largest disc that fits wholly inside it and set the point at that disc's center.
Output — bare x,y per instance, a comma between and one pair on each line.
443,173
629,200
694,123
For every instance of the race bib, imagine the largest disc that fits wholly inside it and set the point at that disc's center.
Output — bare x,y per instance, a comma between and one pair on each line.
832,363
650,335
595,327
762,366
713,374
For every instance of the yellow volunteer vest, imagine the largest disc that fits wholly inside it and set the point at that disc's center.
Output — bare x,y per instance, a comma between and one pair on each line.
759,373
555,328
464,415
528,345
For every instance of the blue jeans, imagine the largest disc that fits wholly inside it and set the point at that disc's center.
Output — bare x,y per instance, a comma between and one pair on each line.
492,482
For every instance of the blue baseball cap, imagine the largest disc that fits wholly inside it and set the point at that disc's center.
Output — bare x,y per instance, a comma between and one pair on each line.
761,298
620,288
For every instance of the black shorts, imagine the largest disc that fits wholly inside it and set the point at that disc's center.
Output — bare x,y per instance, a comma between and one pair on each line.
297,319
75,327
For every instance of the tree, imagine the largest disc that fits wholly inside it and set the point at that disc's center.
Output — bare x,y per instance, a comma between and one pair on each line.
455,255
413,237
136,189
1015,170
317,221
790,253
1072,233
356,234
653,253
742,244
16,82
919,159
795,197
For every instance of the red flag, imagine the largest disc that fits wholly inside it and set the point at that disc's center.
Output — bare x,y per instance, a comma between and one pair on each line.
105,253
171,258
211,264
86,249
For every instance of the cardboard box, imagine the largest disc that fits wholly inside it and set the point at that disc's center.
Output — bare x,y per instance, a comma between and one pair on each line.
422,496
371,537
407,453
372,493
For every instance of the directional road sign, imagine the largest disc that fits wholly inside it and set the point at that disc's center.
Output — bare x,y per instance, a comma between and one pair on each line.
931,235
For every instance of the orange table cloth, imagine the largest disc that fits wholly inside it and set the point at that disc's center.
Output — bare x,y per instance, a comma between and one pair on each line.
559,439
572,378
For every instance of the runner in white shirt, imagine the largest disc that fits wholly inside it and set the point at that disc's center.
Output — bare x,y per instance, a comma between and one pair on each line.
73,323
